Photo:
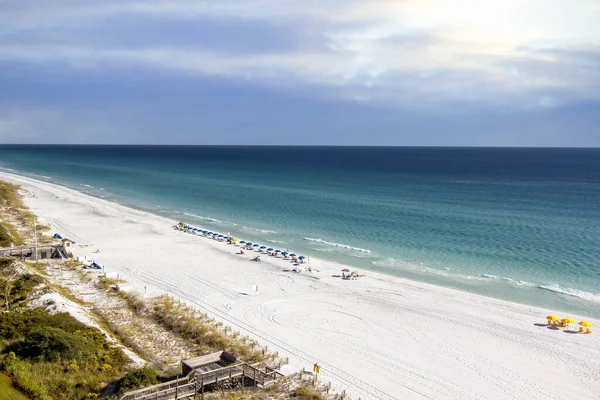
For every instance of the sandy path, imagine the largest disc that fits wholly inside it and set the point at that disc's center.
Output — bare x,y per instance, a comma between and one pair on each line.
377,338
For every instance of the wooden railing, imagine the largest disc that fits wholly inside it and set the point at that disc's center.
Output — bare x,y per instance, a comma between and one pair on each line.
148,392
196,380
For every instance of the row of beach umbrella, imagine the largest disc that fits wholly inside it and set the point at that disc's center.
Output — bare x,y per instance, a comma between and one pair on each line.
553,320
243,242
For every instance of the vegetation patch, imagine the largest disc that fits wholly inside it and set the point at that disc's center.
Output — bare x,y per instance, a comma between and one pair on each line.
210,335
138,378
8,391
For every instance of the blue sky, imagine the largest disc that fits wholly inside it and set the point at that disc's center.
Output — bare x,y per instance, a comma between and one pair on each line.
380,72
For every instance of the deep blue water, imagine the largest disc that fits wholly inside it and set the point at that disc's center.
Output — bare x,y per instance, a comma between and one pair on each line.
518,224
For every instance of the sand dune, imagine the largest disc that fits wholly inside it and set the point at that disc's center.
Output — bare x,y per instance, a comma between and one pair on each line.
376,338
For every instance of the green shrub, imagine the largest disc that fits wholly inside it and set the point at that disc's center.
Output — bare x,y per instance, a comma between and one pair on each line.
53,344
16,324
5,238
138,378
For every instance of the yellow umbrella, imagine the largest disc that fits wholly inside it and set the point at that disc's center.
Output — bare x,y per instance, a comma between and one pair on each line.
552,318
585,323
235,240
567,320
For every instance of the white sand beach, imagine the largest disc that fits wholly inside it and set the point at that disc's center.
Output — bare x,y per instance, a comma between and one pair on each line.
377,337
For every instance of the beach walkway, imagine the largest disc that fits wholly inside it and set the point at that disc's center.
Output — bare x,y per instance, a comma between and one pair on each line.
44,251
234,376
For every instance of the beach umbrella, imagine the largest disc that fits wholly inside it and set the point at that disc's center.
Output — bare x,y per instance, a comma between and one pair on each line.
242,241
285,253
249,243
567,320
277,251
292,255
263,247
585,323
270,249
301,258
255,245
209,233
345,270
552,318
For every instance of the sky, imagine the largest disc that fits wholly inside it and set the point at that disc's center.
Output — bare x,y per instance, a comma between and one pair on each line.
288,72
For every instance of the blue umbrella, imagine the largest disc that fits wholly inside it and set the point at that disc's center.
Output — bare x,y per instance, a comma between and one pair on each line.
249,243
209,233
216,234
277,251
270,249
285,253
226,237
221,236
292,255
255,245
242,241
263,247
301,258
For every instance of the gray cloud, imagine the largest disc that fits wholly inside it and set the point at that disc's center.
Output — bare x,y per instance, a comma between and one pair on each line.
398,53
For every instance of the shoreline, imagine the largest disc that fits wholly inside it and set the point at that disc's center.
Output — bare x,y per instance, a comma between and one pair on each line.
558,298
409,334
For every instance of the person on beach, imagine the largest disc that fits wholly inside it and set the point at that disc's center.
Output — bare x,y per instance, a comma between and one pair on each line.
241,252
257,259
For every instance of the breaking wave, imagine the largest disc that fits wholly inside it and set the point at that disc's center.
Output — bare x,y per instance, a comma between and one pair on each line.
343,246
257,230
595,297
202,218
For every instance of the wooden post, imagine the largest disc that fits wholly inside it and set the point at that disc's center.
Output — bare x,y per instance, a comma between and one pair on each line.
254,376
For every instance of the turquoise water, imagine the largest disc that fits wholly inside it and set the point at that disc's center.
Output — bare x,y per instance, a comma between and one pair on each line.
517,224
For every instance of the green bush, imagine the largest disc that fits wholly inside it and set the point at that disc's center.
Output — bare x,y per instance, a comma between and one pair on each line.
138,378
53,344
14,325
5,238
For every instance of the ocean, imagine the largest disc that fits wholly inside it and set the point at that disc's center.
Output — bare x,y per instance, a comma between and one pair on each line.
519,224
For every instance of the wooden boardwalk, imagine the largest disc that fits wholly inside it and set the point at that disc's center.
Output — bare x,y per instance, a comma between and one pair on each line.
43,251
196,382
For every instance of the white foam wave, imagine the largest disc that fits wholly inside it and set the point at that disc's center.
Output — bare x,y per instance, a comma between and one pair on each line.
490,276
202,218
343,246
257,230
525,283
274,241
595,297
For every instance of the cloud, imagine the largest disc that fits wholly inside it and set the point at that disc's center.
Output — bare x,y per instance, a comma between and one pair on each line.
427,53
